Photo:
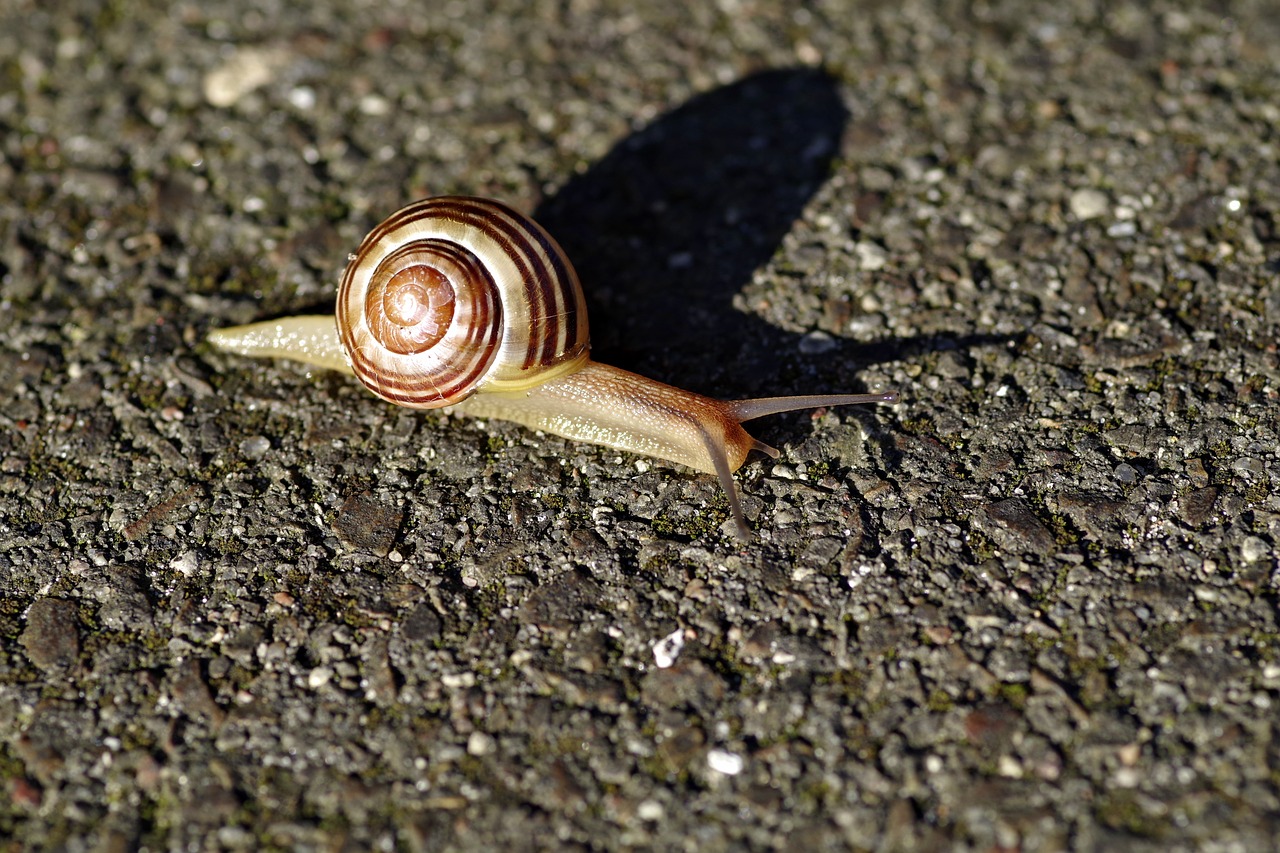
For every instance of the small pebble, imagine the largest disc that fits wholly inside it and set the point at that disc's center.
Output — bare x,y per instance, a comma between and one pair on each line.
1088,204
667,649
255,447
243,72
1253,549
816,343
650,810
870,256
480,743
723,761
1126,473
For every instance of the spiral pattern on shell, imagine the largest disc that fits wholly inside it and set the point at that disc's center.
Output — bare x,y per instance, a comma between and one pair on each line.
453,295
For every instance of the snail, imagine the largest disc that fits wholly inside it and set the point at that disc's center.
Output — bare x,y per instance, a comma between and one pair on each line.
466,303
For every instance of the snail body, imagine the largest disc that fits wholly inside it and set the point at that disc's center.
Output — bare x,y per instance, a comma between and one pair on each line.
465,303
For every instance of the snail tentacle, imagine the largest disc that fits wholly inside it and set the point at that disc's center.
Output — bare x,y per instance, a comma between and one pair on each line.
759,407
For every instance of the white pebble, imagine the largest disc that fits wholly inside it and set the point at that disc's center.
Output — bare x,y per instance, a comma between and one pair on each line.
723,761
870,256
667,649
650,810
479,743
319,677
1253,549
1088,204
243,72
185,563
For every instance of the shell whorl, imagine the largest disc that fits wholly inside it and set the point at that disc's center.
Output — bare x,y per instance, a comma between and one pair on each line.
453,295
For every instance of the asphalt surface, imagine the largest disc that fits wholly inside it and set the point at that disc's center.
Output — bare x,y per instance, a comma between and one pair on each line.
1033,606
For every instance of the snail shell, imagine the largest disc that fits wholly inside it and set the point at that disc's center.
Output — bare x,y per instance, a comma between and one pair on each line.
453,295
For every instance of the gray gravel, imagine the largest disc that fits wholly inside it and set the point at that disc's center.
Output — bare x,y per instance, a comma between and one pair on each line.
1031,607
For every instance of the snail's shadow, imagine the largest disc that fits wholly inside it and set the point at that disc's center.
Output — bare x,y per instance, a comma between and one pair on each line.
672,223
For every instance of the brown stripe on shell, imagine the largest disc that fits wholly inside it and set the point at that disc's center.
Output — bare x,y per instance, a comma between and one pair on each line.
452,369
430,379
557,317
543,270
546,282
514,237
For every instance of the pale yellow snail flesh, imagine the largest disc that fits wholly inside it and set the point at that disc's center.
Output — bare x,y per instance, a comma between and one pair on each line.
475,278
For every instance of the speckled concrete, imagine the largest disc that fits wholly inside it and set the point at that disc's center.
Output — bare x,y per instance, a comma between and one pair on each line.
1033,606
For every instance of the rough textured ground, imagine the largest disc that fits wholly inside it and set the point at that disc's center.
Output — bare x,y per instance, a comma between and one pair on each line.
1033,606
